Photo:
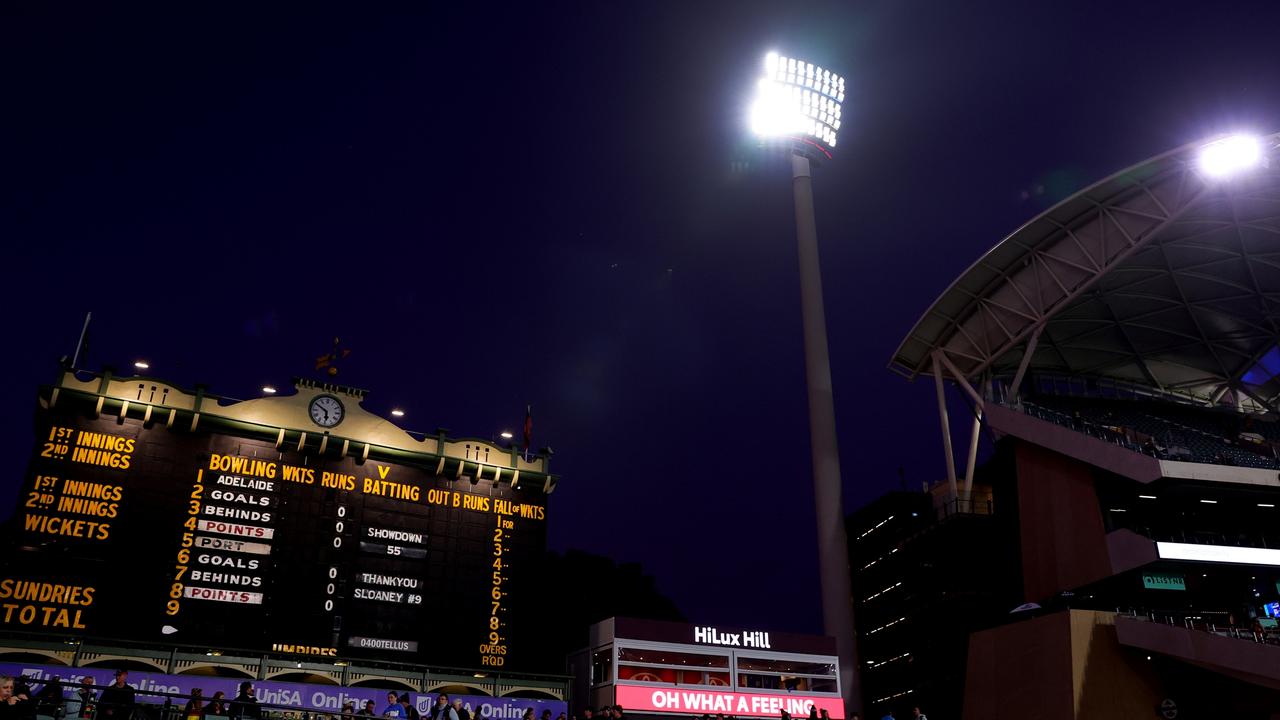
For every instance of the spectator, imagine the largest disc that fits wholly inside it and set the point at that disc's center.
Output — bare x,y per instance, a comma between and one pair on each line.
917,715
410,711
586,714
813,712
370,710
460,710
245,705
443,710
10,704
546,715
195,706
824,715
86,697
786,715
561,716
348,709
217,706
26,698
116,701
617,712
394,709
49,701
888,714
528,714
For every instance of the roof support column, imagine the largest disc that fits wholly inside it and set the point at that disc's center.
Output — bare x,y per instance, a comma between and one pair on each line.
971,465
1217,396
946,423
1015,390
964,384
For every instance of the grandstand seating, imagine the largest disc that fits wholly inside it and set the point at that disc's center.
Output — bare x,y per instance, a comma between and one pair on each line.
1167,430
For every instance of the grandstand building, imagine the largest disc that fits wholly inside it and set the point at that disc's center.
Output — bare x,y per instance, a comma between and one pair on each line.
1123,351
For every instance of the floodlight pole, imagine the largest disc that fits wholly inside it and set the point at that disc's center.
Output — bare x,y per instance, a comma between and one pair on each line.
833,544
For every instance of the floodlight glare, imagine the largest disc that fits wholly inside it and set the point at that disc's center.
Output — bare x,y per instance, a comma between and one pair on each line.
797,100
1230,155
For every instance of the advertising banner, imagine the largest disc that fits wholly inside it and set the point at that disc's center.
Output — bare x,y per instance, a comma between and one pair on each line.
697,702
302,696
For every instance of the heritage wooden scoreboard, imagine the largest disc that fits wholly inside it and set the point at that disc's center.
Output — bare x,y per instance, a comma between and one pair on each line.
297,523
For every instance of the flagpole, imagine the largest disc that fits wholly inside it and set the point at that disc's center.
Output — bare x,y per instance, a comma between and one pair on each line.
83,333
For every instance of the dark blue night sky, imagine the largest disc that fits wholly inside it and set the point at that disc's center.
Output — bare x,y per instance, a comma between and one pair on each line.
555,203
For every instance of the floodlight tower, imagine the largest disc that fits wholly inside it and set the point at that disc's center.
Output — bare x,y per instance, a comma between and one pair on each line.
797,106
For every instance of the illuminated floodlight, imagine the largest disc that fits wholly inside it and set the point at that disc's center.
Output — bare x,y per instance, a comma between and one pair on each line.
506,435
398,412
268,390
795,99
1230,155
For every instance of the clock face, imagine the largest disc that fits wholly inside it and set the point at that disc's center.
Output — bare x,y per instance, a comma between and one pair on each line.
326,410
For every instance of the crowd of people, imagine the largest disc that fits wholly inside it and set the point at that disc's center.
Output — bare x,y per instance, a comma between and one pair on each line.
118,701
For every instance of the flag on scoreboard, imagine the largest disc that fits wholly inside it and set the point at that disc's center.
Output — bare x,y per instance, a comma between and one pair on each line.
329,361
528,429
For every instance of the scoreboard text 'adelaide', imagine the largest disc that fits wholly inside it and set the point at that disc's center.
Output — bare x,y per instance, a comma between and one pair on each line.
301,523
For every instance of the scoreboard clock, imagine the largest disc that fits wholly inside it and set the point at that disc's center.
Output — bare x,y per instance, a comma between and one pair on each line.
326,410
240,526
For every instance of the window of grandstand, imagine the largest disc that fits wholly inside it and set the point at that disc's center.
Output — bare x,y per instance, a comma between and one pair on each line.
789,683
672,668
602,666
799,667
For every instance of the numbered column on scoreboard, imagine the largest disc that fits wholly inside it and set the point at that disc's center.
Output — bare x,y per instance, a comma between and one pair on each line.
221,562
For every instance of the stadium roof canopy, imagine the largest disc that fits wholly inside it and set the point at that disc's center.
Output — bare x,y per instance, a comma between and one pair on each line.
1159,275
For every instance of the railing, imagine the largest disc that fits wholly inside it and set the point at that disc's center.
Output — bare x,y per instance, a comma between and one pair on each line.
1195,622
258,659
960,506
156,705
1238,538
1172,447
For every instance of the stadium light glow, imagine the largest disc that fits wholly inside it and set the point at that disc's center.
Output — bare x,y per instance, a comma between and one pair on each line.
141,365
1230,155
506,435
1218,553
268,390
398,412
796,99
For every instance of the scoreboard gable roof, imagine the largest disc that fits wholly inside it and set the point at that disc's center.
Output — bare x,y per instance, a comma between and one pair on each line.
285,420
1157,275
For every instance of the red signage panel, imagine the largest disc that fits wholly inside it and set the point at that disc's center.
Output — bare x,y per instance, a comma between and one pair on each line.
689,702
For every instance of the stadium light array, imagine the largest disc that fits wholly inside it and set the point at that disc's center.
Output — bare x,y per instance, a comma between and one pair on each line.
796,99
1230,155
